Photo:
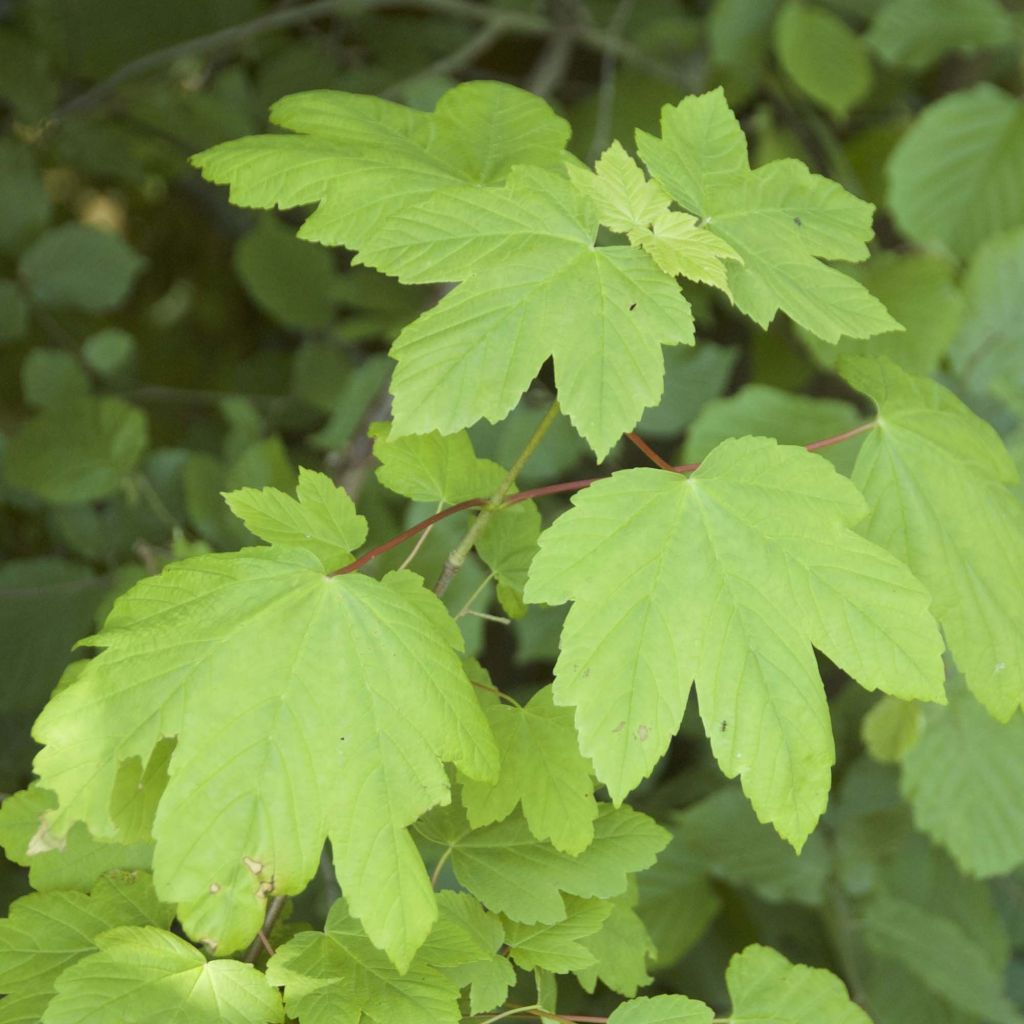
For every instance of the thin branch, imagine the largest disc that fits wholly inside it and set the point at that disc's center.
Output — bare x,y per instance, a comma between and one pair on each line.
566,487
458,59
405,535
649,451
408,560
260,942
609,80
519,22
439,866
465,609
844,436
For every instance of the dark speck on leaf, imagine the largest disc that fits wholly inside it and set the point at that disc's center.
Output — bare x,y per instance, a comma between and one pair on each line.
632,306
798,222
723,726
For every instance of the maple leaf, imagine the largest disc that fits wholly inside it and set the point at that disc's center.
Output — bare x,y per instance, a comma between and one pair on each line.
304,705
727,578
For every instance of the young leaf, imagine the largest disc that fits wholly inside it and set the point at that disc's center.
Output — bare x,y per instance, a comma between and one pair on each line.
727,578
953,177
510,871
260,665
767,989
154,977
969,802
323,519
628,203
780,219
935,476
365,160
542,768
533,286
339,975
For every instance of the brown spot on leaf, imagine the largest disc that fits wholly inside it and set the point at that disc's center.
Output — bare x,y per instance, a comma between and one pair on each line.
214,888
255,866
620,726
642,732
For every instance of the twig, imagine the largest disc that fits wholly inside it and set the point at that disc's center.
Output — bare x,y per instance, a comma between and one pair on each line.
407,561
519,22
458,59
649,451
260,942
609,80
565,487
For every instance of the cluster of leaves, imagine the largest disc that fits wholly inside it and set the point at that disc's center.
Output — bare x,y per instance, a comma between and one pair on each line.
317,762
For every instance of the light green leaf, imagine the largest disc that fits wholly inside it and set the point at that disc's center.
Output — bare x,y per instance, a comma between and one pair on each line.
433,467
916,33
628,203
919,290
940,953
364,160
47,932
78,267
780,219
728,577
464,945
512,872
623,196
260,665
963,779
79,451
763,410
534,287
823,56
935,476
74,861
767,989
681,245
290,280
891,728
507,546
154,977
51,377
321,518
621,950
953,179
339,977
987,353
557,947
662,1010
542,768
